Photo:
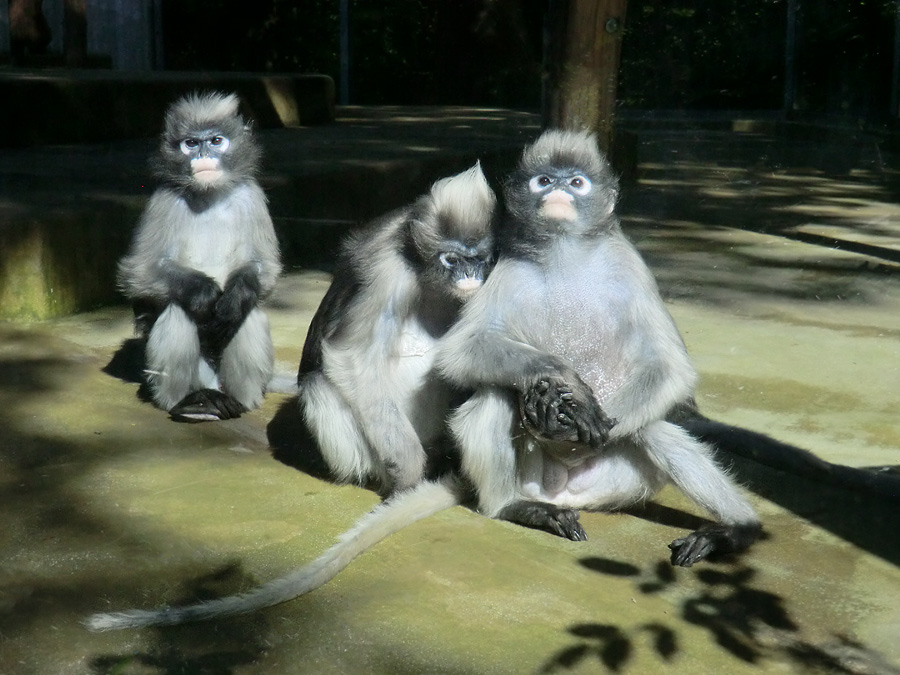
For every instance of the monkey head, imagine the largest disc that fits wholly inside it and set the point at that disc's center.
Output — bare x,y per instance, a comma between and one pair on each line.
206,145
450,234
563,183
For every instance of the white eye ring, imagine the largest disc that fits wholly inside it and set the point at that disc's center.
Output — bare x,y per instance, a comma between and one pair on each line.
580,185
449,259
220,143
188,146
539,183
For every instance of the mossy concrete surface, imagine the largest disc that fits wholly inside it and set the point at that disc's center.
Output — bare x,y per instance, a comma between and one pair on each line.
784,282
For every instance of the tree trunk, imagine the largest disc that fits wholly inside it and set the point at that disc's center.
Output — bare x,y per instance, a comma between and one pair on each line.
581,65
75,43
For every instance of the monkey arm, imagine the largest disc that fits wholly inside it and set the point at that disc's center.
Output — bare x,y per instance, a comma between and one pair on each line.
240,295
363,356
552,409
555,400
368,381
660,373
265,242
194,291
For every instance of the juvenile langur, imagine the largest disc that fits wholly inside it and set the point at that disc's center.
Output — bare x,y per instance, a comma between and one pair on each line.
202,259
368,393
571,309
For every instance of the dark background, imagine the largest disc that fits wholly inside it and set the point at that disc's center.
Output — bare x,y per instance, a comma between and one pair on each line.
677,54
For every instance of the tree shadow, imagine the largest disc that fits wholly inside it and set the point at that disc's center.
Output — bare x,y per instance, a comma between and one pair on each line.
748,622
212,648
707,185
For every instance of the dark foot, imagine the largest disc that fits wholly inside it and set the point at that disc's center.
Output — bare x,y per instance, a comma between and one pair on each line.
207,405
543,516
557,410
713,541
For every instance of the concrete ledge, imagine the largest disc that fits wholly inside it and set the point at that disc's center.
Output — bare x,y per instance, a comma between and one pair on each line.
65,106
67,212
58,262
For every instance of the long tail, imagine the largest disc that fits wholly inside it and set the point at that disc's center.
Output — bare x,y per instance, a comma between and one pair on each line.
282,383
393,515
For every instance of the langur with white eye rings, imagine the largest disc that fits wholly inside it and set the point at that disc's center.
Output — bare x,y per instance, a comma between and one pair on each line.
570,339
369,395
203,258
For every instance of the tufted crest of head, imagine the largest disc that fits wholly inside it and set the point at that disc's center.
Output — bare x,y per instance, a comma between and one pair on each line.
200,111
464,203
569,149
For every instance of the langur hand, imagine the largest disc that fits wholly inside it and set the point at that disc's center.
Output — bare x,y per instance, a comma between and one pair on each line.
195,293
238,298
564,409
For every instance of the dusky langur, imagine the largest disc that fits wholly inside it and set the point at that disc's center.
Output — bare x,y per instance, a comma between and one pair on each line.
368,393
570,309
203,257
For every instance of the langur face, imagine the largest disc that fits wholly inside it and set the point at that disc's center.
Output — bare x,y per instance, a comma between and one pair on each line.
558,193
205,153
464,271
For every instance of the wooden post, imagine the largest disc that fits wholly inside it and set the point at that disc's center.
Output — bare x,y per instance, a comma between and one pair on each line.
583,45
75,43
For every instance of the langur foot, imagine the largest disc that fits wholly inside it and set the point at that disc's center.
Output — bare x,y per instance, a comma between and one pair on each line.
207,405
713,541
554,409
543,516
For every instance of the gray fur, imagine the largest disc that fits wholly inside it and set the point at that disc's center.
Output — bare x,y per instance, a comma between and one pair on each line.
368,392
212,229
572,298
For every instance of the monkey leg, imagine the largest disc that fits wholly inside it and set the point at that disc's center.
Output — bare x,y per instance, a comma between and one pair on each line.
248,361
689,464
174,366
207,405
333,424
545,516
483,428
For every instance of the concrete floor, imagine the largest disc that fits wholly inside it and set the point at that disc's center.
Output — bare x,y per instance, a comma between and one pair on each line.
781,264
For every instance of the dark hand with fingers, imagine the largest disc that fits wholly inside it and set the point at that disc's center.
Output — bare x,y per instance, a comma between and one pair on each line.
558,409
